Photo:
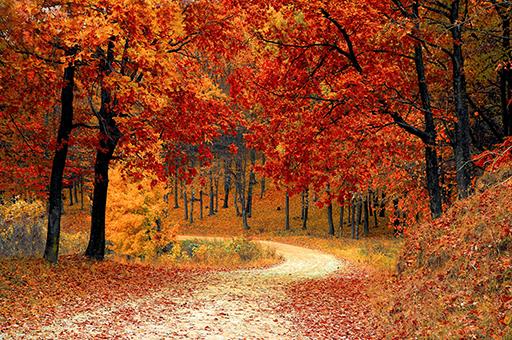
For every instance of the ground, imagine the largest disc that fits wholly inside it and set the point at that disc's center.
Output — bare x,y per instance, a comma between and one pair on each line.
257,303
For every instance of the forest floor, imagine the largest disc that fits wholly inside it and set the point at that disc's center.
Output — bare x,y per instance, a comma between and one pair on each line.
274,302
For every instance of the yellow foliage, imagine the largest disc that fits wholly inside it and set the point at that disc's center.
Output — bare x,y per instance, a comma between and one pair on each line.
135,216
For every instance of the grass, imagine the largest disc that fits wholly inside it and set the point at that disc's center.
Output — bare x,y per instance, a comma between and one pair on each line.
237,253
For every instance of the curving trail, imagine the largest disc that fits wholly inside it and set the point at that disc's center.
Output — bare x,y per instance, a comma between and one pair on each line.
226,305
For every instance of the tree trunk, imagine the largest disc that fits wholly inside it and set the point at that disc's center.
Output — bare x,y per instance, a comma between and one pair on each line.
287,212
185,203
330,219
428,136
262,180
359,215
382,212
192,199
236,199
201,204
462,150
81,193
227,184
75,190
342,212
176,184
375,202
302,206
240,183
108,142
71,195
505,73
353,218
252,182
306,209
216,180
211,212
366,221
51,251
109,136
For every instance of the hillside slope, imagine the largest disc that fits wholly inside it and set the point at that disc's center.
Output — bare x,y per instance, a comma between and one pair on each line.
455,276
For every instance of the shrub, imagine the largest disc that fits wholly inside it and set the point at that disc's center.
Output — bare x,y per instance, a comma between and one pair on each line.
232,253
22,228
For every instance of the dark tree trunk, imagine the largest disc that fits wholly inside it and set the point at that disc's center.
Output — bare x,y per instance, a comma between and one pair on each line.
353,218
330,219
236,199
82,193
342,213
305,209
71,195
96,247
75,190
109,136
185,204
375,202
201,204
227,184
287,212
252,182
240,184
302,206
359,215
51,252
506,72
211,202
176,184
216,194
462,150
192,199
366,221
262,180
382,212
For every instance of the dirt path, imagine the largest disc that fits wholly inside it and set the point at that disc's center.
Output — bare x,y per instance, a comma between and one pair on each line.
228,305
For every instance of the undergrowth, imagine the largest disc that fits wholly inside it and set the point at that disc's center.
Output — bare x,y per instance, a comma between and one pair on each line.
231,254
455,275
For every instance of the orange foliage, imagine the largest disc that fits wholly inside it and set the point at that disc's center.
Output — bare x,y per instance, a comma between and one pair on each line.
31,291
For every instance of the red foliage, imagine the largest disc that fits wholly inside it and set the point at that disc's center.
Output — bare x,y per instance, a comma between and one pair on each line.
31,291
334,307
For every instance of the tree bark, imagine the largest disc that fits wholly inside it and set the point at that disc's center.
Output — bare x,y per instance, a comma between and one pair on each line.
109,136
306,209
382,212
70,195
176,184
216,180
462,150
192,199
51,251
252,182
227,184
505,73
366,221
342,213
330,219
211,202
353,217
359,215
287,212
185,204
81,193
262,180
201,204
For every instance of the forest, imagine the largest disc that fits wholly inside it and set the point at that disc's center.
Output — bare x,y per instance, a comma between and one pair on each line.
313,169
